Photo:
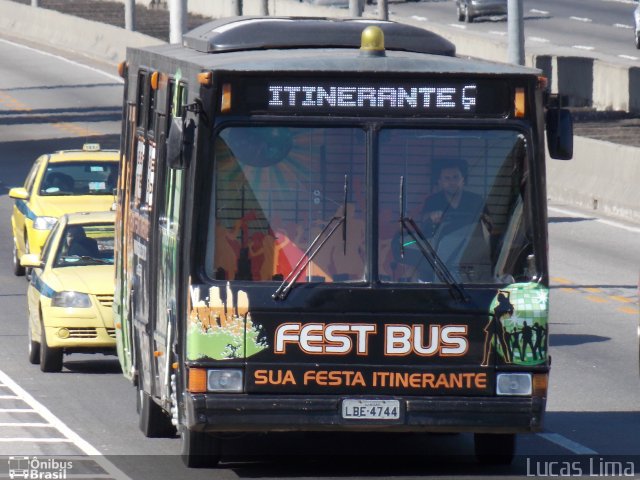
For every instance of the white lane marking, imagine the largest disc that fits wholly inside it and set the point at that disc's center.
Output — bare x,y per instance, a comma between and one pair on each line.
77,64
496,32
17,410
457,25
567,444
622,25
35,440
628,57
420,19
9,397
18,424
70,435
538,39
581,19
539,12
610,223
583,47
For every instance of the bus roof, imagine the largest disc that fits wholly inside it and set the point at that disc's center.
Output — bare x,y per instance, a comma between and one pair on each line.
330,61
265,33
316,45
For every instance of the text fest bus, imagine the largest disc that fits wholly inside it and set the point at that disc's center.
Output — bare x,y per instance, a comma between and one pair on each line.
333,225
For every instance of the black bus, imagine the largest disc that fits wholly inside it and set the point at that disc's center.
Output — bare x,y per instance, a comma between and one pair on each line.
333,225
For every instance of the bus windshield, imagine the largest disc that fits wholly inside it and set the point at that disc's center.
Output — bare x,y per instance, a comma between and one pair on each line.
278,188
464,190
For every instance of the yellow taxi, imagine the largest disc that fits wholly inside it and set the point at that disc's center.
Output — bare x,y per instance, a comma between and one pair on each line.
62,182
71,290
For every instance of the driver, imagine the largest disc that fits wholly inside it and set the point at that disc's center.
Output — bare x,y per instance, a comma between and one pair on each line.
452,208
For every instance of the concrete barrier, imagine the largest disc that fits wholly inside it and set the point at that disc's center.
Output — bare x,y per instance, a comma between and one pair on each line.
92,39
602,175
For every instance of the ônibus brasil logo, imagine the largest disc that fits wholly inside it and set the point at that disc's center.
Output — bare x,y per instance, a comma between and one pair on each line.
33,468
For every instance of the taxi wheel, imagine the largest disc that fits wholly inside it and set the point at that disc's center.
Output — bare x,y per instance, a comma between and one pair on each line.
494,448
50,358
34,349
18,270
153,421
199,449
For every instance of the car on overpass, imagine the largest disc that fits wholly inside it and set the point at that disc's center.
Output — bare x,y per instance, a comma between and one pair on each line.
62,182
469,10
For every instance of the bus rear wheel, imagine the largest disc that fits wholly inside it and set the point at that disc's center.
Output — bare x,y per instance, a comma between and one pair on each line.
494,448
199,449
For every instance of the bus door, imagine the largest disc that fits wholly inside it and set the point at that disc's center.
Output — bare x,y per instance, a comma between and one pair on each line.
141,208
166,247
124,250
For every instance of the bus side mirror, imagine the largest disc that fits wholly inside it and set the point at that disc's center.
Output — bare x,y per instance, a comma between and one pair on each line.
180,143
560,133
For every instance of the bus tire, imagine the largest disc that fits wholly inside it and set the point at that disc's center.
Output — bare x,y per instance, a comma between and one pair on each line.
494,448
50,358
199,449
153,420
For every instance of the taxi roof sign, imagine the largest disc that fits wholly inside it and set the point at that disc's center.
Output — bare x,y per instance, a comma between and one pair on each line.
91,147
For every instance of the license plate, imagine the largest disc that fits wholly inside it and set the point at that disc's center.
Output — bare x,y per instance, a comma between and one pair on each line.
353,409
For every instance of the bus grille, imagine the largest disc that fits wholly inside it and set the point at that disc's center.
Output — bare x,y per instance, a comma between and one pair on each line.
105,300
111,332
82,332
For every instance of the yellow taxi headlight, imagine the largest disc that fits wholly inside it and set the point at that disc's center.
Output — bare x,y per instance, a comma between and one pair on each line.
71,300
63,333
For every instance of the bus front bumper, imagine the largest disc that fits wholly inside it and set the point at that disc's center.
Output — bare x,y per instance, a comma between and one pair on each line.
264,413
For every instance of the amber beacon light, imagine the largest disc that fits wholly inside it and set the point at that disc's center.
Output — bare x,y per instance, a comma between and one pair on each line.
372,41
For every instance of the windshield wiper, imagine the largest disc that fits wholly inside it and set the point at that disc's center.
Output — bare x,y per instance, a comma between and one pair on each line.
427,250
313,249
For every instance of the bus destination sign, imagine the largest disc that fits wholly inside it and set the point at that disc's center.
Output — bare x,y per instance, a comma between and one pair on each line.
452,98
436,98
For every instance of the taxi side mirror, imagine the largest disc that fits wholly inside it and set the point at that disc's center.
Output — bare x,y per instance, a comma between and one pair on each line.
19,193
31,260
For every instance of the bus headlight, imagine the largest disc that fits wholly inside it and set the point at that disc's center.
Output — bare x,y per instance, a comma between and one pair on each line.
71,300
224,380
44,223
514,384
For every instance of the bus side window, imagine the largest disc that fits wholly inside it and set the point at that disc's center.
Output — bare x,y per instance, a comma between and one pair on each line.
141,95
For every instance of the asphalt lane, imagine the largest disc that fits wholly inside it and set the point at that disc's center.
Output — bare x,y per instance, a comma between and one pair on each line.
593,401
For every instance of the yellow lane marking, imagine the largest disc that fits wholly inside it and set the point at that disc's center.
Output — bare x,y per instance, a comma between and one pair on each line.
593,290
561,280
595,299
600,296
75,129
631,310
618,298
13,103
